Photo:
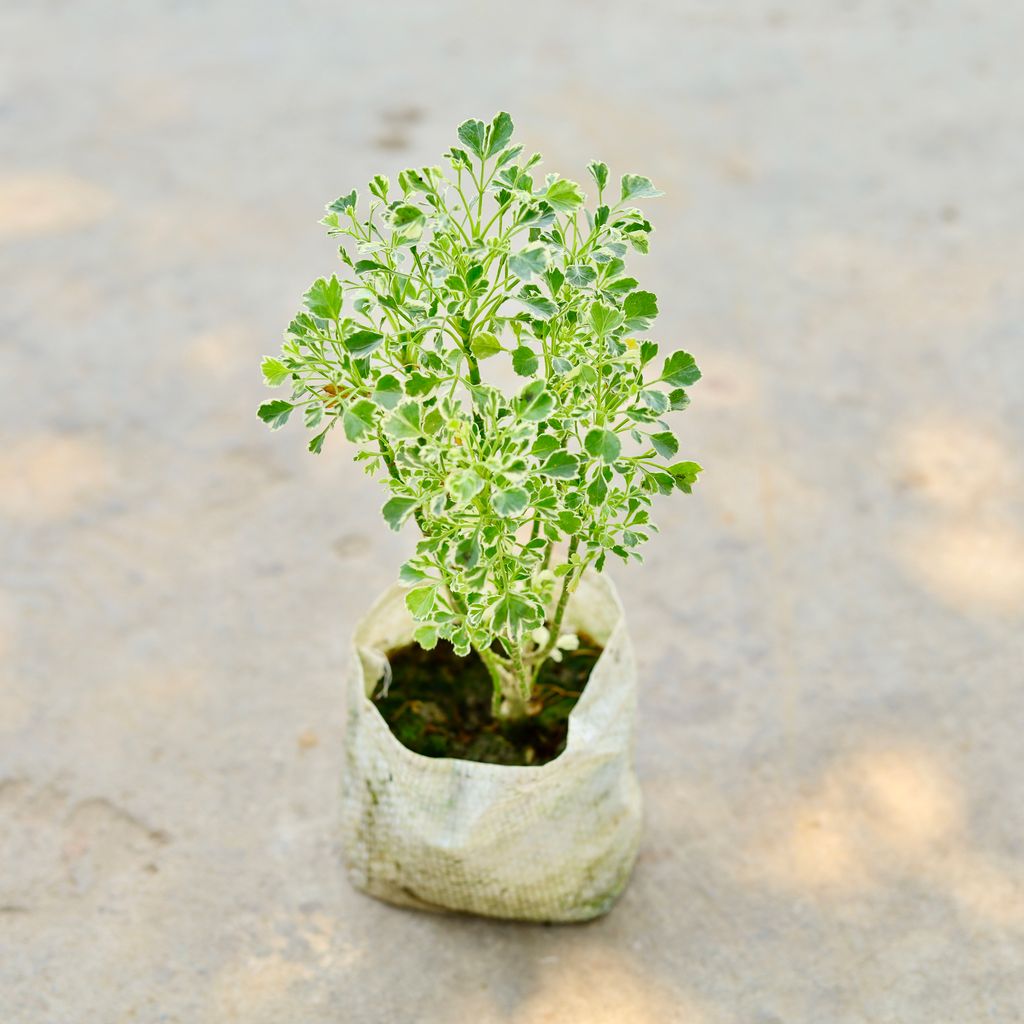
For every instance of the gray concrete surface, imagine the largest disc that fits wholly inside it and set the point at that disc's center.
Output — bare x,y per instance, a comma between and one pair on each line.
829,630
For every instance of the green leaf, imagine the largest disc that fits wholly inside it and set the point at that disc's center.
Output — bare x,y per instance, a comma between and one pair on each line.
678,399
343,203
531,259
404,423
525,361
324,298
275,414
511,502
464,485
362,343
420,601
517,614
410,574
680,370
545,444
498,134
564,195
597,491
648,350
485,345
685,474
472,134
397,510
408,218
426,637
535,403
411,180
602,444
406,214
460,158
636,186
432,421
420,383
358,420
580,276
621,286
569,521
599,172
538,304
640,304
365,266
665,444
316,443
660,481
561,465
388,391
656,401
604,319
641,243
302,326
274,372
467,553
510,154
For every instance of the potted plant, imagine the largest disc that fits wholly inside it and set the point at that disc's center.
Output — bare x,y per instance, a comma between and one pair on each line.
488,760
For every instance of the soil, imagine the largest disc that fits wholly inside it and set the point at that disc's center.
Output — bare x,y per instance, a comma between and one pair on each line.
439,705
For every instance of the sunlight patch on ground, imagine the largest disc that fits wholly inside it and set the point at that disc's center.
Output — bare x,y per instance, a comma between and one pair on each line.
987,889
910,800
602,987
755,492
967,548
884,817
818,850
869,808
814,847
265,985
730,380
969,566
51,475
956,465
44,204
221,350
256,986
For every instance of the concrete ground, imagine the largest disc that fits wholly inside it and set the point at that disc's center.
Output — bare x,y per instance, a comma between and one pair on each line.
829,630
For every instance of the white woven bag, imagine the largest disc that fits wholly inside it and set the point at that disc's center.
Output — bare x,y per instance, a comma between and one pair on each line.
555,842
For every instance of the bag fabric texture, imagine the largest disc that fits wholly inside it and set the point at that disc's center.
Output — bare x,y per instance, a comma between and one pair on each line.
553,842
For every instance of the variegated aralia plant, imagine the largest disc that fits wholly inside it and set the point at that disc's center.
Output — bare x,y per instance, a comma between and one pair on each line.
515,492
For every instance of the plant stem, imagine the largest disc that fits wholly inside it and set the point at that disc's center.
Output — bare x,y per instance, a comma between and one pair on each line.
491,663
516,697
522,679
556,622
547,554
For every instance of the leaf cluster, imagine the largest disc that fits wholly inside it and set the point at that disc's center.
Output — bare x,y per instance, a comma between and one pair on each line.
484,263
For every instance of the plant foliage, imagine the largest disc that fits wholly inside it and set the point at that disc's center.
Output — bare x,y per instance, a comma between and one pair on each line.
516,491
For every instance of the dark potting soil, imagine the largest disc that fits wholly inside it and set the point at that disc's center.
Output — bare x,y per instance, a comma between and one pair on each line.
439,704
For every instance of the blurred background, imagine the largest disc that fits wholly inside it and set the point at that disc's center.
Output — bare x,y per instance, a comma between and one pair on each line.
829,630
